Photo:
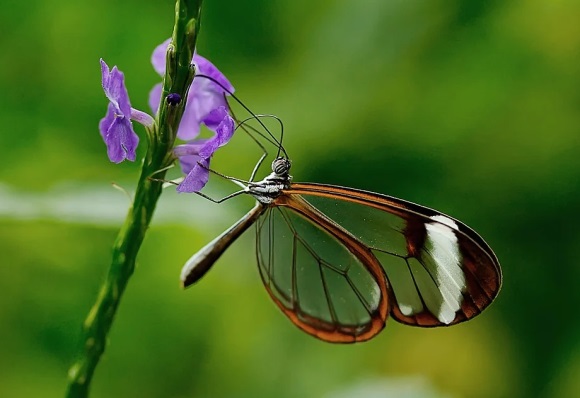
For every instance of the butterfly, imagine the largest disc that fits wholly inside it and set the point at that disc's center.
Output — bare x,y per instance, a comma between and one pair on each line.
339,261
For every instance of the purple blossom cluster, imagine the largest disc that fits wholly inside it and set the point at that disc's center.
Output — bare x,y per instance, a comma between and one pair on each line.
205,104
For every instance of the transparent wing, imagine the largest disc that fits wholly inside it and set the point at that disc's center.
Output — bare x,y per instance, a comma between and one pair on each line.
440,272
335,292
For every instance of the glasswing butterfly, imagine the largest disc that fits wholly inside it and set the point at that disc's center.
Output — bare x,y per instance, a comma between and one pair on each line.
338,261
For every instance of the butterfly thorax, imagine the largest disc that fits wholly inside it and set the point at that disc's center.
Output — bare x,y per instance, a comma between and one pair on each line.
271,187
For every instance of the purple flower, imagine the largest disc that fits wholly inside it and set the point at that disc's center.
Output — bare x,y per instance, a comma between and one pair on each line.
205,104
195,156
204,95
116,127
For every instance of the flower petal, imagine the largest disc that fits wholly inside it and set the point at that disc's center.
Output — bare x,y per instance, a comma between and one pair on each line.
213,119
224,132
158,59
204,67
188,154
107,121
196,178
114,86
201,100
155,98
216,116
121,140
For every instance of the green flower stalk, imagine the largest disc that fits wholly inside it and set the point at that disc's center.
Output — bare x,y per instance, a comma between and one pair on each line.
170,102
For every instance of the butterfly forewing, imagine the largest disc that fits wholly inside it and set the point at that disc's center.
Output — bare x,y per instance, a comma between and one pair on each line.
440,272
324,287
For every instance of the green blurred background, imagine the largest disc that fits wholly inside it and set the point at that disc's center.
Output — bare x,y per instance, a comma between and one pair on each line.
470,107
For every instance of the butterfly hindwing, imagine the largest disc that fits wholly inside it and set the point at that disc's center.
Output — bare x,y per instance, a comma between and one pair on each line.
332,290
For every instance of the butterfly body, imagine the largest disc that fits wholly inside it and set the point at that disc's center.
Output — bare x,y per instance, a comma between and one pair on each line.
271,187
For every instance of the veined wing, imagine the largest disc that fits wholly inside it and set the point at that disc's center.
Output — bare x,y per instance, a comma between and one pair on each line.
440,272
319,275
201,262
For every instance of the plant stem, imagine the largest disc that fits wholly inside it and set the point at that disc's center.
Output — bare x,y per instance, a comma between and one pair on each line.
178,77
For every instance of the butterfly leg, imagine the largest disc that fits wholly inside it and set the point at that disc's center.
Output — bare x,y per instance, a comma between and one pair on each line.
166,183
232,195
257,166
236,181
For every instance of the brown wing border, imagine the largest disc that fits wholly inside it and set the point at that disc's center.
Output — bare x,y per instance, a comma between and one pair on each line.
483,282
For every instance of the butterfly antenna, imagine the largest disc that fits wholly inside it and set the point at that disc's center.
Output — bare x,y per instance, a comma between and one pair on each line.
277,143
245,127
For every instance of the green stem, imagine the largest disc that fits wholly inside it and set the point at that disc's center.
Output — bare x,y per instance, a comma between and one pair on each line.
178,77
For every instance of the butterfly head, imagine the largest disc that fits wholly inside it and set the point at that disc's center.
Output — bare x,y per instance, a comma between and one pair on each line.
281,166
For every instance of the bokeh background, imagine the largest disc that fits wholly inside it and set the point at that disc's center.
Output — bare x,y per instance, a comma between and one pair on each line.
470,107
